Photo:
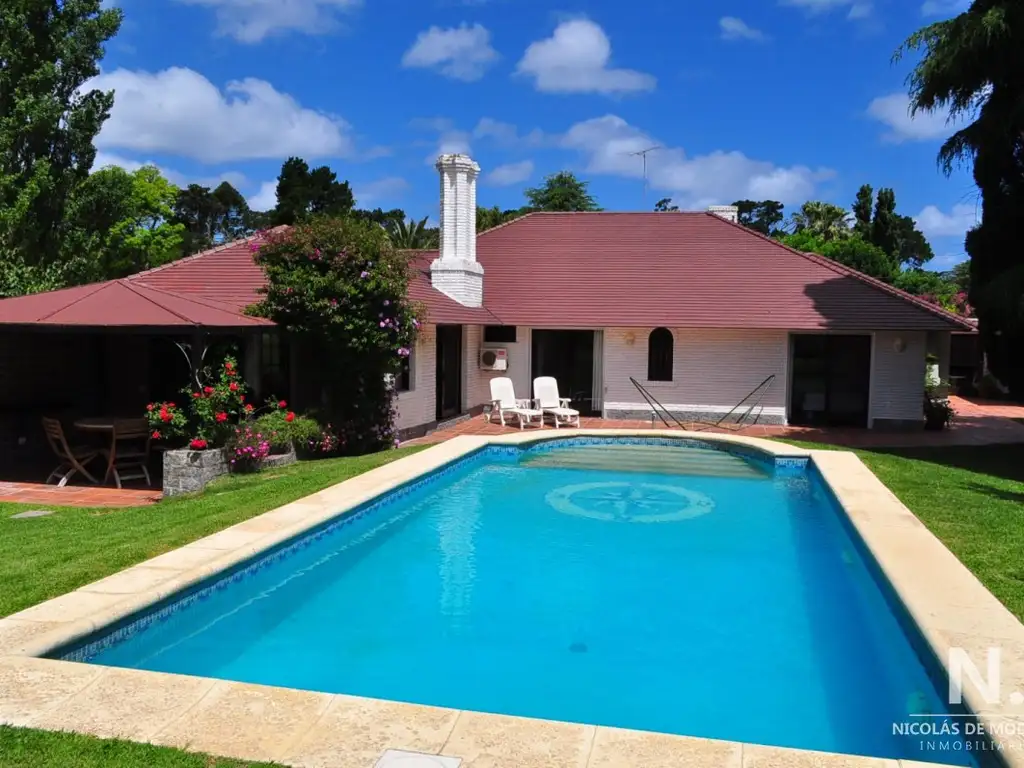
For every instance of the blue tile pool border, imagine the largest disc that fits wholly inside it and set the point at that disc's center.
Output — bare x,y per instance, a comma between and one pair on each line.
86,648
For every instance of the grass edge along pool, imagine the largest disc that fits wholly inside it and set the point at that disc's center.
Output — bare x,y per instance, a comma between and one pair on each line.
499,455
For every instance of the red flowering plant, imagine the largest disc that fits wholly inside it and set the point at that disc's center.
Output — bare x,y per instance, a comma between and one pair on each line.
340,286
219,405
167,421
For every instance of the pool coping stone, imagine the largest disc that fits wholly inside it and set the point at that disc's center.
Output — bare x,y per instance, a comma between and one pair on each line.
947,602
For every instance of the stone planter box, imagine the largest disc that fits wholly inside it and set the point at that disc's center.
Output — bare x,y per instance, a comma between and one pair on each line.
188,471
280,460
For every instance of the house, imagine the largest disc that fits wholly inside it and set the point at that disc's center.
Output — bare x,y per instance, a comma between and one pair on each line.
699,309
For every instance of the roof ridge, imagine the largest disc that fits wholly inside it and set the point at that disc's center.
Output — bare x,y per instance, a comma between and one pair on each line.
208,252
133,289
220,306
842,269
98,287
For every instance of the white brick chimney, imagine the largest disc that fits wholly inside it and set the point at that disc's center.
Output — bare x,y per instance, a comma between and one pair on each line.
456,272
727,212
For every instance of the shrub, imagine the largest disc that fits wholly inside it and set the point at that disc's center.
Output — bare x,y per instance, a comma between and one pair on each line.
249,448
167,421
339,286
285,432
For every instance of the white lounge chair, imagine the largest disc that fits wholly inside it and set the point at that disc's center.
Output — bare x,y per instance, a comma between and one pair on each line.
504,403
545,390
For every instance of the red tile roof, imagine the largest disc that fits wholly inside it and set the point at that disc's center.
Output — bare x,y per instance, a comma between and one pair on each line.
121,303
696,270
230,275
559,270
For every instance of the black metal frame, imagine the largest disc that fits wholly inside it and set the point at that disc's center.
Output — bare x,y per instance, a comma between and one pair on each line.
760,390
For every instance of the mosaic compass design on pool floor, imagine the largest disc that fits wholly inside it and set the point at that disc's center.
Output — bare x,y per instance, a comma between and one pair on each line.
630,502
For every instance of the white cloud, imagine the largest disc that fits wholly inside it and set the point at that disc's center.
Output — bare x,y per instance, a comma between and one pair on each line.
178,111
372,192
737,29
944,7
450,139
265,199
510,173
575,59
250,21
858,9
934,222
461,53
894,111
694,182
507,134
107,159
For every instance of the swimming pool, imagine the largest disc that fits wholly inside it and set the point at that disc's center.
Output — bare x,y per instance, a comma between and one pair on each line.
645,584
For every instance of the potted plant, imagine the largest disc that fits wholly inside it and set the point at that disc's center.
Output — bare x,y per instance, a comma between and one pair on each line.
938,413
931,370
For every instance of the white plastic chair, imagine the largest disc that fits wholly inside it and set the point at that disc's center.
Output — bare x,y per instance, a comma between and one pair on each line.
545,390
504,402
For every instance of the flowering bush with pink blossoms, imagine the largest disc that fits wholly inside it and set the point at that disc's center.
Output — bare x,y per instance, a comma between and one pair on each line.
339,287
249,449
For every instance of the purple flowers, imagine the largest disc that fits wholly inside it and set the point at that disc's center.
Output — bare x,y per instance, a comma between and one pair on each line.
404,352
383,324
364,274
415,323
387,303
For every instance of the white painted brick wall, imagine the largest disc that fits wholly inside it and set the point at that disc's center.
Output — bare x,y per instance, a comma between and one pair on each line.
897,378
419,405
712,369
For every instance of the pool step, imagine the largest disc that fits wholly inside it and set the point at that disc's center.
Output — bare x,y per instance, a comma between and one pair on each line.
650,459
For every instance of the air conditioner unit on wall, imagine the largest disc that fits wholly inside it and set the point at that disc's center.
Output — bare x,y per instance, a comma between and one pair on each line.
493,359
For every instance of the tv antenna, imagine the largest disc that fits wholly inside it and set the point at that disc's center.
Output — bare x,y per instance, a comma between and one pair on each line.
643,153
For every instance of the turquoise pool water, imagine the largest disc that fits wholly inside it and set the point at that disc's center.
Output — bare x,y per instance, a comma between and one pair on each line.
673,589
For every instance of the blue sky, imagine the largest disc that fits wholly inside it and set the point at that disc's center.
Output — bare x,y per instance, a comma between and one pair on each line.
783,99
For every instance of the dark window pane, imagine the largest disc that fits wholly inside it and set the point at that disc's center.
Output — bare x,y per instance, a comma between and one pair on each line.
659,355
500,334
403,381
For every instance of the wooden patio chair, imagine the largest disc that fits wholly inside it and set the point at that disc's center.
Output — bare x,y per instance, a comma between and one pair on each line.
132,455
72,460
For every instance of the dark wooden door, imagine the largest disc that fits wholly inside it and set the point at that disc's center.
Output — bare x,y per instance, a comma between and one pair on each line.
569,357
449,371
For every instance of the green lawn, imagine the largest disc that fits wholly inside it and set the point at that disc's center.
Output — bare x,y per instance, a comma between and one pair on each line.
971,497
45,557
23,748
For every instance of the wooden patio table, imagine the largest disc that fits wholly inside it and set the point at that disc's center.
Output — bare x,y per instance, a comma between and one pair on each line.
98,425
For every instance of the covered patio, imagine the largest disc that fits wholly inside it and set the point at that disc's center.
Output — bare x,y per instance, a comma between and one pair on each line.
93,355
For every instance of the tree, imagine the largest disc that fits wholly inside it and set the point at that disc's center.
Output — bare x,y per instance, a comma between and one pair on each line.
489,218
380,216
971,68
48,50
412,235
862,208
762,216
897,235
852,251
665,205
561,191
195,209
821,220
348,307
302,193
122,223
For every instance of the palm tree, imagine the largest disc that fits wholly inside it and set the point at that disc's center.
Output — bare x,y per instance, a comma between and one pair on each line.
822,220
412,235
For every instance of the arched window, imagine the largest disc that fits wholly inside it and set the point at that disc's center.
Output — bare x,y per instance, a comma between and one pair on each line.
659,355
